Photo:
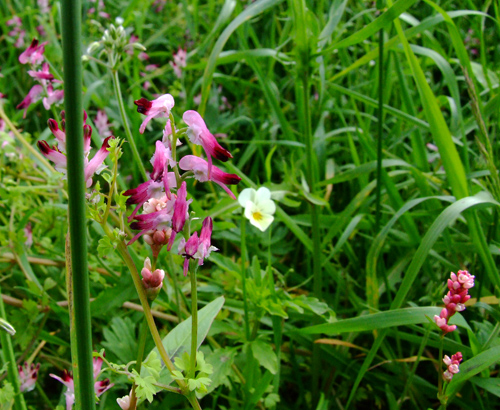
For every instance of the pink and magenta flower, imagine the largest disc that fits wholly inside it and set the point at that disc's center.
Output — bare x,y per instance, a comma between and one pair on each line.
32,97
57,156
28,375
67,379
199,134
200,167
157,108
452,365
34,53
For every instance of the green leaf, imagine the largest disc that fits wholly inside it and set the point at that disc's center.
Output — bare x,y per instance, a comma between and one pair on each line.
121,340
265,355
6,393
221,361
381,320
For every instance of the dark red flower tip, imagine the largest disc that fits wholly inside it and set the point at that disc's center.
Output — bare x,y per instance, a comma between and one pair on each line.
230,179
43,146
34,43
53,125
63,124
221,154
105,143
63,114
143,105
87,131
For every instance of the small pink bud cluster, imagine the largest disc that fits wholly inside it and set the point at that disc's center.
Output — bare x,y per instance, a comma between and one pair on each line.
452,365
458,285
179,62
33,55
152,281
28,375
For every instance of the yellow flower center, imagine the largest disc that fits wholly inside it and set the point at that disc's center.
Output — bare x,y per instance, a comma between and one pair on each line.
257,216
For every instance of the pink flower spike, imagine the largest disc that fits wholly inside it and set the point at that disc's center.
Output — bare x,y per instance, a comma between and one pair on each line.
52,97
87,139
190,248
28,375
95,165
199,134
180,213
160,159
204,245
157,108
67,380
200,169
43,74
33,54
58,158
33,96
58,133
144,223
101,122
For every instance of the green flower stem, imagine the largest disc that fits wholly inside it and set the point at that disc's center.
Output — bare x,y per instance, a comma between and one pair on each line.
194,322
18,135
440,365
243,276
72,54
130,137
12,372
140,357
122,249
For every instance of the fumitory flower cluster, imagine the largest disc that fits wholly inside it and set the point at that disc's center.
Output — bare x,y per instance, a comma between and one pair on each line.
56,154
163,198
33,56
458,285
28,375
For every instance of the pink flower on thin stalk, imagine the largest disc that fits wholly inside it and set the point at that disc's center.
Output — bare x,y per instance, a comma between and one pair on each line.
43,74
56,153
199,134
159,107
197,247
67,379
28,375
32,97
200,169
180,213
33,54
53,96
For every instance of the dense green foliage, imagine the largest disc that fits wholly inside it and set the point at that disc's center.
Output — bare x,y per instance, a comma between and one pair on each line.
340,291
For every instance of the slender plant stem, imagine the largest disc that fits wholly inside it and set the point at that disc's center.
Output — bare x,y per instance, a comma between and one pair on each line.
380,129
72,54
12,372
194,322
122,249
243,276
140,357
130,137
440,376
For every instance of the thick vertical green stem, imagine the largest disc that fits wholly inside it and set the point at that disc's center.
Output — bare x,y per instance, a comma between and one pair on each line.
244,275
130,137
194,322
12,372
380,127
72,54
